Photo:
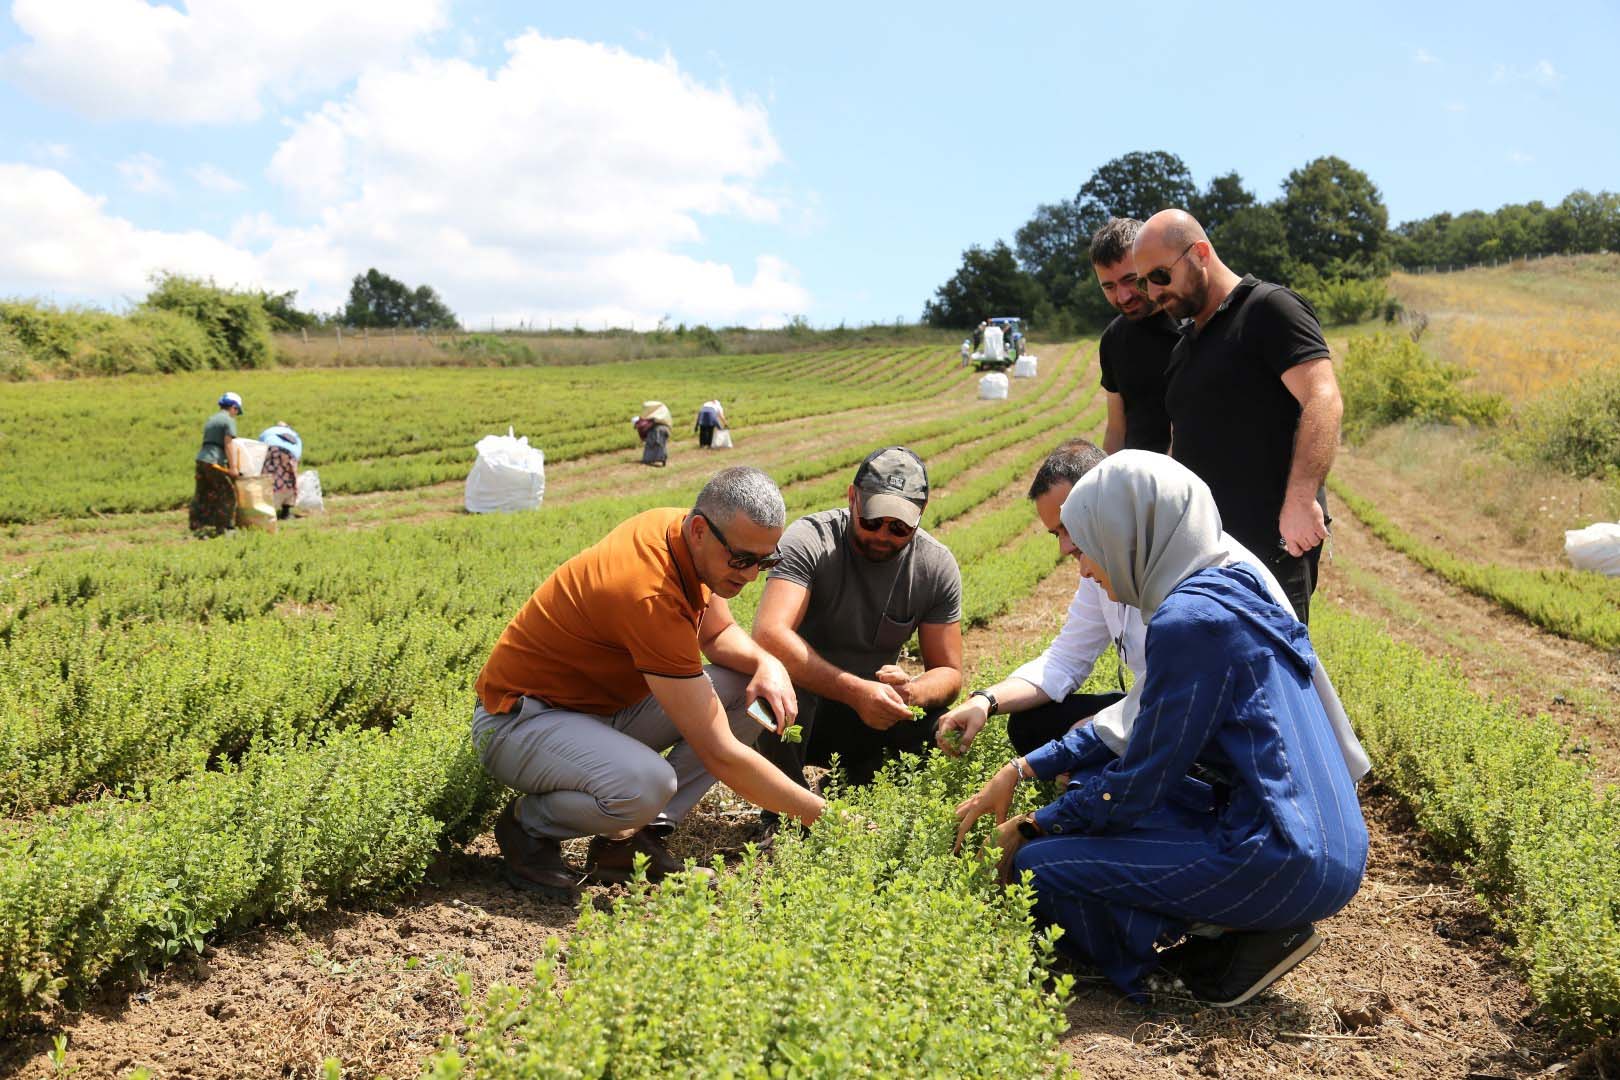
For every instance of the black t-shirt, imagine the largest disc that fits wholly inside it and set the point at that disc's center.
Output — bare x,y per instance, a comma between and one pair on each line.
1135,362
1234,420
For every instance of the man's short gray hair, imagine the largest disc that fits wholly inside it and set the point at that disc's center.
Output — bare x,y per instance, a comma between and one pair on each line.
742,489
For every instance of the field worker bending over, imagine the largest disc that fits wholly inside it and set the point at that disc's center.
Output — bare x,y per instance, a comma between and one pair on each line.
602,670
854,584
1041,697
1231,812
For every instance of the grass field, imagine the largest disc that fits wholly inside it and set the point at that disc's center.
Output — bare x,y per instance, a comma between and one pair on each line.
1523,326
203,742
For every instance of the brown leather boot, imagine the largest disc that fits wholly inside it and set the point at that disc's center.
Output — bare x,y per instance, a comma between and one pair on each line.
612,861
534,863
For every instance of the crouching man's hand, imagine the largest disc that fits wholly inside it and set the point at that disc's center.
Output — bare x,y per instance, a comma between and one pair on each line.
772,684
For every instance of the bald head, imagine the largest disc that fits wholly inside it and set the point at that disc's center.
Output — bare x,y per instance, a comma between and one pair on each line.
1177,266
1171,229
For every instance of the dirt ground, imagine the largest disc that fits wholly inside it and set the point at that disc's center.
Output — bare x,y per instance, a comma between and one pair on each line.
1411,982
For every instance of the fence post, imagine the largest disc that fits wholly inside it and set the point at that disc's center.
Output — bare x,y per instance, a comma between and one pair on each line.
339,329
304,331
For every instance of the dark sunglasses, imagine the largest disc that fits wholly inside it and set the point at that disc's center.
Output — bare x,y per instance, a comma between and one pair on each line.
741,560
897,529
1160,275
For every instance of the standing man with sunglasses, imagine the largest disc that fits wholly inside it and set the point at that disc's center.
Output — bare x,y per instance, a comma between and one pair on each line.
1254,404
855,583
1134,352
602,671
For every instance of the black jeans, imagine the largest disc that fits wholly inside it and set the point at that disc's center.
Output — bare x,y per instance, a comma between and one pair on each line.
1297,576
1034,728
831,727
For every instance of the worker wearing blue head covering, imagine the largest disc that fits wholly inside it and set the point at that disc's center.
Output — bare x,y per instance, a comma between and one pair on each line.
281,460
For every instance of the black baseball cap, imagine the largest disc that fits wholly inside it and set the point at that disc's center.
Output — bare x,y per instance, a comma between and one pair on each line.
893,483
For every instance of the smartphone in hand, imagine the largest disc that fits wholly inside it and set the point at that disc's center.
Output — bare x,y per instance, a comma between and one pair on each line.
763,715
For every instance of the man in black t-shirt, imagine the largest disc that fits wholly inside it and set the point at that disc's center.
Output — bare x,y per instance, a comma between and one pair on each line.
1134,353
1253,401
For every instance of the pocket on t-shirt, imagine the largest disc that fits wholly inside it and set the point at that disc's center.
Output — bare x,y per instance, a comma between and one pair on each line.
892,634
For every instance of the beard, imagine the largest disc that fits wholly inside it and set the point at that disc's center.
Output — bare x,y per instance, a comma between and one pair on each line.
1185,305
876,552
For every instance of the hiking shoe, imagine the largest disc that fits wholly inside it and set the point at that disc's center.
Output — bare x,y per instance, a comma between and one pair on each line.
534,863
610,862
1231,969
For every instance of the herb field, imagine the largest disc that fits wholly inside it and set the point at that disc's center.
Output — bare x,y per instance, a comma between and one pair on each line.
201,739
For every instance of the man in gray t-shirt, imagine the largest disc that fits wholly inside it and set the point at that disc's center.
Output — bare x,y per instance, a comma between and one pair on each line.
853,586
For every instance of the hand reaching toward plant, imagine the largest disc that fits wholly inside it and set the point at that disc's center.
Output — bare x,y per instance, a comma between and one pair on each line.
994,798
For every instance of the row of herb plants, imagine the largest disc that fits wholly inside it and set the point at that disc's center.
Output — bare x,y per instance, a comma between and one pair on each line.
1576,604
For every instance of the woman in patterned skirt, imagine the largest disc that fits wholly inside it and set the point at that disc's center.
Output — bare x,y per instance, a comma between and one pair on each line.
213,504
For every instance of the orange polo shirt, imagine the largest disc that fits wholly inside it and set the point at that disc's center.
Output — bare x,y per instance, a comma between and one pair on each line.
627,606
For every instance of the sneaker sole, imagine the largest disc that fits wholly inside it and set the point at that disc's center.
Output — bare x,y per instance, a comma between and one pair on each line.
1282,967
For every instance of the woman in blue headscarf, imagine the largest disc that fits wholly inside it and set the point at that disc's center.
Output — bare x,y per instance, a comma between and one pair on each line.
1231,820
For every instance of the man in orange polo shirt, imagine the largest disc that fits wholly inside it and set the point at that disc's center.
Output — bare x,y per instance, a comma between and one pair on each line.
602,671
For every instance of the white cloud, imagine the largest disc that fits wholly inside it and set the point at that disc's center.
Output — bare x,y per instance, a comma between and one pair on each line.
567,185
144,173
576,173
1542,73
56,239
213,178
54,151
1520,158
213,62
1424,56
1454,107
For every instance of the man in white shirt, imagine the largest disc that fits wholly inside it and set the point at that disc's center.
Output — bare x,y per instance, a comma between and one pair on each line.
1040,696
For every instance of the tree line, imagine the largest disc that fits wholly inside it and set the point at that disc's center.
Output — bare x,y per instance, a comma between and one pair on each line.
1328,230
375,300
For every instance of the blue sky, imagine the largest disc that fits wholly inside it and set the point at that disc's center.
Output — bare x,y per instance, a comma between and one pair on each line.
722,163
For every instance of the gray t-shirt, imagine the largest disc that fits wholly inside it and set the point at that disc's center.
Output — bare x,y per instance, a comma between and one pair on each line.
861,612
219,425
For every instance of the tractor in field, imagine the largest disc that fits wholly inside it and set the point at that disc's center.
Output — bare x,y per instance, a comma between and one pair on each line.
998,347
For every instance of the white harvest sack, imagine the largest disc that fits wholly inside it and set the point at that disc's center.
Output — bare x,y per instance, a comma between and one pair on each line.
995,347
1596,547
308,500
1024,367
250,456
721,440
508,475
993,387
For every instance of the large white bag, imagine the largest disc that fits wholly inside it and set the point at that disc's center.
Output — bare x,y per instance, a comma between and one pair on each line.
1596,547
250,455
993,387
508,475
1024,367
995,346
308,499
721,440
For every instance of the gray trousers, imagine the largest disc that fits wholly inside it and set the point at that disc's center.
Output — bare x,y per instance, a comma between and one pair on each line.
585,775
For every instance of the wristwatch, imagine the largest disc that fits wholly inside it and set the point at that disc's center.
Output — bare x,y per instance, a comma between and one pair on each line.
1027,827
989,699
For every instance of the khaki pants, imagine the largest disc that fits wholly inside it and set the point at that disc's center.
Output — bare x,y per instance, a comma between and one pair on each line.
584,775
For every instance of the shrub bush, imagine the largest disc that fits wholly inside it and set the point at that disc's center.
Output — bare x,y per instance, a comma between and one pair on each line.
235,323
1388,377
1347,300
1574,428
